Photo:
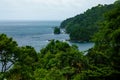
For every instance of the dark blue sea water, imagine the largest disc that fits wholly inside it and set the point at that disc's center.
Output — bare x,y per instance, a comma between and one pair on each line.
36,33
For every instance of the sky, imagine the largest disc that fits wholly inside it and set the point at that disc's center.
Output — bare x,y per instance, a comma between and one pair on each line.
45,9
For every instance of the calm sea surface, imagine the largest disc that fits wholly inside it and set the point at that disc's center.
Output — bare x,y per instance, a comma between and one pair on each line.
36,33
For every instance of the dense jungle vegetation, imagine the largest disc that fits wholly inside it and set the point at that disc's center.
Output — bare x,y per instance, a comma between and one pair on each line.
83,26
60,61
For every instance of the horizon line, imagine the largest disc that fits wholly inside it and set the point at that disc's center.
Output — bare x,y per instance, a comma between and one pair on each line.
29,20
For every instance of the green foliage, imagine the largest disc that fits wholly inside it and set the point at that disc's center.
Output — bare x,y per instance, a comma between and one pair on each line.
60,61
57,30
53,74
25,65
82,27
62,57
8,50
105,56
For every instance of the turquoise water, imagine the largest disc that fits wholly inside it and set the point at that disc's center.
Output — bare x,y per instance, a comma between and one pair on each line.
36,33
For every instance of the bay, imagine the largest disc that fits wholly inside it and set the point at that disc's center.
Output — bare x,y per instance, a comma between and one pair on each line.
36,33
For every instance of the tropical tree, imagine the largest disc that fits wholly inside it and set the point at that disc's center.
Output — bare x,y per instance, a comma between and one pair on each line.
64,59
8,52
104,58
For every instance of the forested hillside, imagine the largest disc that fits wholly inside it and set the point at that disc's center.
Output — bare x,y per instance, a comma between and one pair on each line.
60,61
83,26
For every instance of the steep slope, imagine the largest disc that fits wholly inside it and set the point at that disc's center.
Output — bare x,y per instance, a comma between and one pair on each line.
83,26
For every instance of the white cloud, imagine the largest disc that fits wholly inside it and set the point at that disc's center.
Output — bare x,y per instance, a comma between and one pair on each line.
45,9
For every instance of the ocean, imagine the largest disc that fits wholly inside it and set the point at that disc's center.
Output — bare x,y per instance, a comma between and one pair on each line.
36,33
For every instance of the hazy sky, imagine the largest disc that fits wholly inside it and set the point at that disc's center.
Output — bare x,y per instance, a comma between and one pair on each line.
45,9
